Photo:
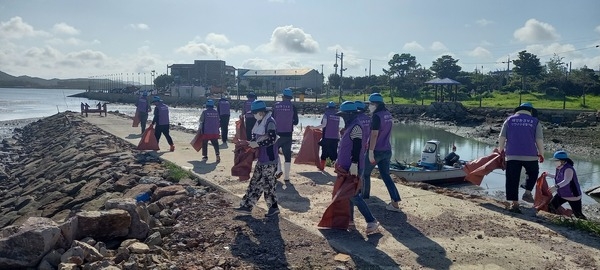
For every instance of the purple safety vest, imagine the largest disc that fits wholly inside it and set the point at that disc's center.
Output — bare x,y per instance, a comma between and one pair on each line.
520,135
332,129
211,122
263,157
572,189
247,108
163,113
345,147
365,123
284,116
224,107
385,131
142,105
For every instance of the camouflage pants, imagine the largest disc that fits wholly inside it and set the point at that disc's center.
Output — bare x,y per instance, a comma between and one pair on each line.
263,181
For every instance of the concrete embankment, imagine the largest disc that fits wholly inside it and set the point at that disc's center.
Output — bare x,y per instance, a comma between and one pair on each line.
438,111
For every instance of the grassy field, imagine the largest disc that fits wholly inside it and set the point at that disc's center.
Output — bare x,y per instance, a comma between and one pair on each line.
500,100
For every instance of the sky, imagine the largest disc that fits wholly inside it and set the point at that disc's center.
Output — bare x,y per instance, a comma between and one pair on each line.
82,39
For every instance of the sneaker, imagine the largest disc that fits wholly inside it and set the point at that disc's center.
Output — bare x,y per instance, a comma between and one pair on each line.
372,227
272,211
246,210
205,158
286,180
172,149
218,159
278,175
528,197
515,209
390,207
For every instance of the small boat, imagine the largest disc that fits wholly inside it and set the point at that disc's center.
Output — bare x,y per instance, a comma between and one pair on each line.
430,168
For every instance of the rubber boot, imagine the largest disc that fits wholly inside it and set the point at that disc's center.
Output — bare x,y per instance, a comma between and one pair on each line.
286,171
322,165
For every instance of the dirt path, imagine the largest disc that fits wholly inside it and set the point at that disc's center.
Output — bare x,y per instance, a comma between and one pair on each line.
434,231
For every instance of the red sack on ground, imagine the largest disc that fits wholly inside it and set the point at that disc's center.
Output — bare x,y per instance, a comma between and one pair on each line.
243,156
136,120
309,149
337,214
542,197
197,142
148,141
477,169
240,130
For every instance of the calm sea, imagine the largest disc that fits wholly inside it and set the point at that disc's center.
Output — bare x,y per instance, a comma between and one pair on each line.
407,140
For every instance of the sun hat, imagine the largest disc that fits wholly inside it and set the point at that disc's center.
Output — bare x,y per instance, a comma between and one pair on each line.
210,103
348,107
330,104
376,97
250,95
156,99
560,155
359,105
288,93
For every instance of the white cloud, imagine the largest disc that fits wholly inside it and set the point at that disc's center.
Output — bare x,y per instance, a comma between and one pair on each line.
65,29
139,26
16,28
438,46
480,52
217,39
412,46
483,22
535,31
257,63
291,39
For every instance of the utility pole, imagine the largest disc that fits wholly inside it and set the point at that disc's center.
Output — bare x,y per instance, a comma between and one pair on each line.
341,74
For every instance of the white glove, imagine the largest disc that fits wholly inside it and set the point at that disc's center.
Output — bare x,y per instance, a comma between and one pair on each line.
371,156
553,189
253,144
353,169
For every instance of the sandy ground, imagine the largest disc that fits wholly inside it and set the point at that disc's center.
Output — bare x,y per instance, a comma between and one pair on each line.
437,229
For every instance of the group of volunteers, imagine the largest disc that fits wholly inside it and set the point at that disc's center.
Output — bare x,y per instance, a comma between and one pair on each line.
362,144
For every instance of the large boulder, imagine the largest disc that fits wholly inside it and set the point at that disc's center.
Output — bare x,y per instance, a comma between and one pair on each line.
139,216
103,225
36,237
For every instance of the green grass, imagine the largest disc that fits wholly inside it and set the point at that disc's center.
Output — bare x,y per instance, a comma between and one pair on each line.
177,173
580,224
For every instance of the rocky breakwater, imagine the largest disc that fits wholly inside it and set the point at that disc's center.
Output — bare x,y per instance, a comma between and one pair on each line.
74,197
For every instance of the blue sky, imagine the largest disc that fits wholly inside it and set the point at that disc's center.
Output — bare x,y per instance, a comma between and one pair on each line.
78,39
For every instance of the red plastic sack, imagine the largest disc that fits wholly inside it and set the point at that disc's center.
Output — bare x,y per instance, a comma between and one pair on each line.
309,149
240,130
337,214
136,120
197,142
148,141
477,169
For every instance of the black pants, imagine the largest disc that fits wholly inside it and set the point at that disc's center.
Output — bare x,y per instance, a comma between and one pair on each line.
224,127
249,125
329,148
557,201
215,144
143,120
513,176
163,129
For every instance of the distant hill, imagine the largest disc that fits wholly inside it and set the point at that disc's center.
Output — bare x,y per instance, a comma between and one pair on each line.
7,80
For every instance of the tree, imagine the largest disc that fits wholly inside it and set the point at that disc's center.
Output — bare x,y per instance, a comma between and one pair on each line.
527,65
163,80
334,80
445,67
400,67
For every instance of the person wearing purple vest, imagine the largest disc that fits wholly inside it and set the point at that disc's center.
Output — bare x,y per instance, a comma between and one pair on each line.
330,124
566,185
142,109
349,155
365,122
161,119
248,117
380,151
209,128
286,116
224,108
263,181
522,138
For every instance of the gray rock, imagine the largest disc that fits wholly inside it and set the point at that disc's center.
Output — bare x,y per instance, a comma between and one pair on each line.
36,237
139,216
154,239
103,225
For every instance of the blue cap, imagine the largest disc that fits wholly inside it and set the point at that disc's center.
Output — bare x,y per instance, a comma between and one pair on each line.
210,103
359,105
330,104
250,94
525,106
347,107
258,105
145,94
156,99
375,97
560,155
288,93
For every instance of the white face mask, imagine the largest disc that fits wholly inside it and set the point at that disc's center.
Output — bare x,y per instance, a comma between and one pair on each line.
372,108
258,116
